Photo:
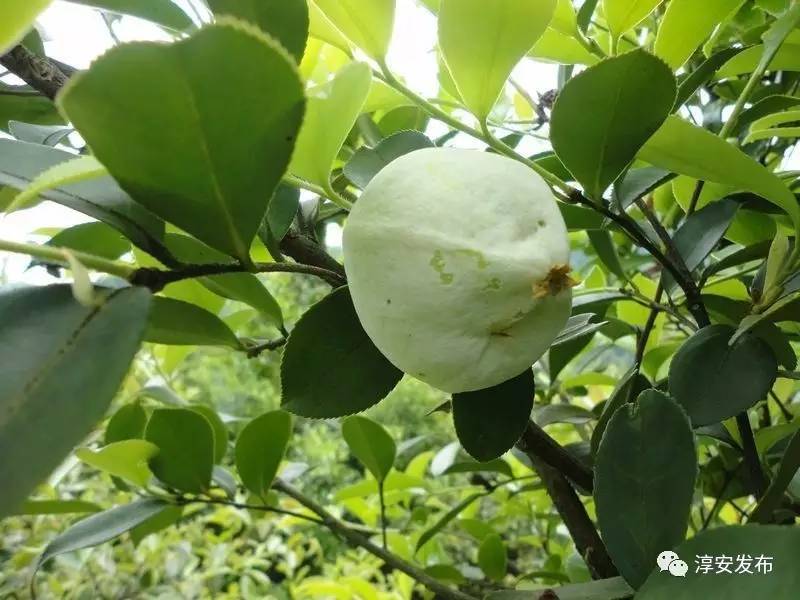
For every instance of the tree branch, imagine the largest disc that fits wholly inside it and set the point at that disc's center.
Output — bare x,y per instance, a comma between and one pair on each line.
576,519
305,250
536,442
355,538
41,73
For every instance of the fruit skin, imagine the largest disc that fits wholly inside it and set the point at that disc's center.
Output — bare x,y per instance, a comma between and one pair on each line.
456,261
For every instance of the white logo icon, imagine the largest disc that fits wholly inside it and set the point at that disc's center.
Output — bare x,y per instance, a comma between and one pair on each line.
678,568
669,561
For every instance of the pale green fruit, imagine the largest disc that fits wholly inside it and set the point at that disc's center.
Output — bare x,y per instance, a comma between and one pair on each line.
457,262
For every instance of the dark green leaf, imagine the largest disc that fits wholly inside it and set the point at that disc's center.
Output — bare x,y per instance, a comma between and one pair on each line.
26,107
631,95
368,162
489,422
260,448
101,199
185,441
169,515
616,400
492,466
102,527
330,366
638,183
187,155
750,253
578,218
606,251
714,381
285,20
371,444
644,480
578,326
692,82
790,463
162,12
562,413
218,428
780,546
177,323
281,213
60,365
492,557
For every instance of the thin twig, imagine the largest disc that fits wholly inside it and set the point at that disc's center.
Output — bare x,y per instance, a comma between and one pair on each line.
243,506
266,347
536,441
357,539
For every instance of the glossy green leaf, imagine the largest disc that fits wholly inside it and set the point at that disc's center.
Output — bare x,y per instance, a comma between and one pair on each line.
48,135
637,183
16,18
483,41
562,413
493,557
368,162
489,422
624,15
56,507
285,20
281,213
169,515
778,545
177,323
371,444
198,164
714,381
332,111
683,148
687,24
631,96
162,12
243,287
560,48
127,423
101,527
218,428
330,366
260,448
60,365
126,459
101,199
702,74
366,23
645,470
185,441
321,28
786,59
71,171
93,238
787,469
765,107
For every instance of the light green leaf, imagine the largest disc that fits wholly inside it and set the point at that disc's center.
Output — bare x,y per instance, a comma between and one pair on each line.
16,18
779,545
185,441
446,518
645,470
177,323
687,24
556,47
101,527
366,23
683,148
71,171
243,287
330,366
371,444
624,15
162,12
483,41
285,20
631,96
332,110
60,365
56,507
127,423
321,28
127,459
492,557
189,155
565,20
260,448
94,238
787,58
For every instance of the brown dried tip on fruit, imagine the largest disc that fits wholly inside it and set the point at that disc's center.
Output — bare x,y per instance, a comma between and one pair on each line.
557,281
